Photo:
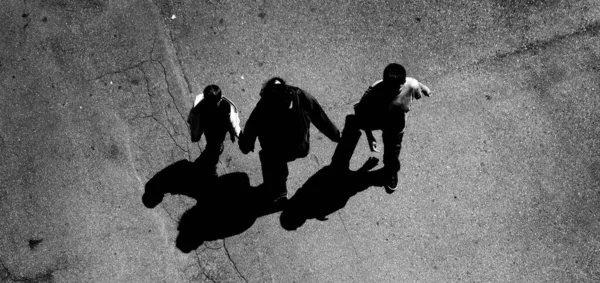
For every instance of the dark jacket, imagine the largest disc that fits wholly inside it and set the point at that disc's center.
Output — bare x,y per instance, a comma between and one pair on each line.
385,106
281,121
213,120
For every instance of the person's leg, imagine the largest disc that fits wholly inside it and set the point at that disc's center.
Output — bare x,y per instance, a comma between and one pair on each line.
345,148
209,158
275,173
392,144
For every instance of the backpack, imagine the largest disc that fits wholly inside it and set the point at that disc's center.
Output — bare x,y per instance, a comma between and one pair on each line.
292,124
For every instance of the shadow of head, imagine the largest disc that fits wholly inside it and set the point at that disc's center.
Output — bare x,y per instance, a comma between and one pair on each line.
181,177
225,206
326,192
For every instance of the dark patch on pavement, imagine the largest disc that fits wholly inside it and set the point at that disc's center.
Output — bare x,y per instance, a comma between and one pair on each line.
33,243
542,82
522,6
46,276
114,152
79,5
594,172
61,50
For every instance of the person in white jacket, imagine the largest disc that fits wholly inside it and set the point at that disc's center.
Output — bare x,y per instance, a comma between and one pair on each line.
382,107
214,116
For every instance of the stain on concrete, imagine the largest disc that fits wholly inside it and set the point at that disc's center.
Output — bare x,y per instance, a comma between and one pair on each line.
46,276
33,243
87,6
594,173
62,51
542,80
520,5
166,7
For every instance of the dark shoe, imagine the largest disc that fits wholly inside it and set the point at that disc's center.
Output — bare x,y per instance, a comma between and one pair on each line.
322,218
392,184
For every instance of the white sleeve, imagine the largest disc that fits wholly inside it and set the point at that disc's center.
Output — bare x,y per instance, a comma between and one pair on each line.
234,120
426,91
199,98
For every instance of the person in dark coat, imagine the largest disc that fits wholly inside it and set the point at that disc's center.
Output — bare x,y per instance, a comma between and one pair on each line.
214,116
281,122
384,107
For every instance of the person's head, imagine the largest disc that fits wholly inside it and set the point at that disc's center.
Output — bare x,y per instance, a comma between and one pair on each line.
273,85
394,74
212,93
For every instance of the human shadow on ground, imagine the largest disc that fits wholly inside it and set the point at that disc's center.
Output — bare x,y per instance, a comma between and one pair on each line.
331,187
327,191
226,205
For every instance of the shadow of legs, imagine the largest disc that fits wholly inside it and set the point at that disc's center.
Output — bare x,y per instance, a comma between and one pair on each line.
326,192
227,208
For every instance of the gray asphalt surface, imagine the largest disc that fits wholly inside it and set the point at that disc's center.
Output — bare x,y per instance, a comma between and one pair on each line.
500,168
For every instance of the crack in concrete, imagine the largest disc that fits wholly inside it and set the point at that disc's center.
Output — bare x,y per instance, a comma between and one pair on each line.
142,148
170,215
164,71
202,269
185,77
169,133
349,238
27,24
2,141
167,82
348,234
206,246
138,66
187,145
233,262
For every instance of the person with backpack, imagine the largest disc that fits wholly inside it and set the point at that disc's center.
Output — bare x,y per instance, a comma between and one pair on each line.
214,116
384,107
281,122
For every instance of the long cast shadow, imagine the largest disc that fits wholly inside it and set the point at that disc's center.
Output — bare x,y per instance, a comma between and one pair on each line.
328,191
331,187
226,206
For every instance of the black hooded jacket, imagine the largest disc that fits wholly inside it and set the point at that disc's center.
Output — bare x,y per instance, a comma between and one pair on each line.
281,121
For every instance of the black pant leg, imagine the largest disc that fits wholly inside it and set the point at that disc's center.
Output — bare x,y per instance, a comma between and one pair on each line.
275,173
392,144
209,158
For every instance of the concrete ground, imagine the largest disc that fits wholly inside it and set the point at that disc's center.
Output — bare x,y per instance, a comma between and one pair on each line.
500,168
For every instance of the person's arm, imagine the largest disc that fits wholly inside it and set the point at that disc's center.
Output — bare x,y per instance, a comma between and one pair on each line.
250,133
424,89
360,110
234,121
319,118
234,125
196,126
371,140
